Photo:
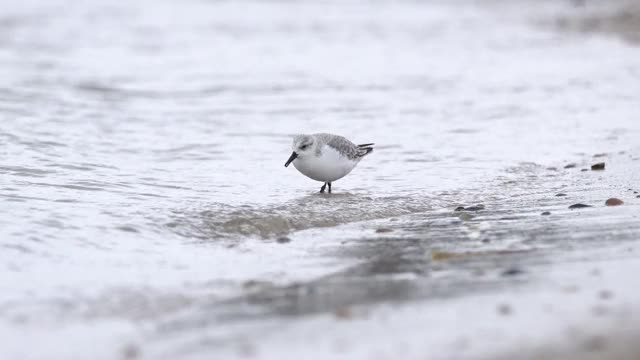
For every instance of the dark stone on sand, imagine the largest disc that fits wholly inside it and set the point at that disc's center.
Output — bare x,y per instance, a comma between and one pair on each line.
561,194
510,218
598,166
570,166
512,271
475,208
545,213
613,202
552,168
638,196
485,240
459,208
595,344
130,351
599,155
343,313
579,206
583,170
127,228
383,230
605,294
283,240
504,309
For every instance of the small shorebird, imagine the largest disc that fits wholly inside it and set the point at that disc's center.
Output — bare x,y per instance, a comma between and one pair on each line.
326,157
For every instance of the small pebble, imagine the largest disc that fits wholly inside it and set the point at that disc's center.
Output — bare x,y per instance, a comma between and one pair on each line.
561,194
570,166
595,344
504,309
343,313
475,208
638,196
583,170
605,294
246,349
598,166
599,155
512,271
613,202
127,228
485,240
459,208
283,240
383,230
130,351
442,255
546,213
579,206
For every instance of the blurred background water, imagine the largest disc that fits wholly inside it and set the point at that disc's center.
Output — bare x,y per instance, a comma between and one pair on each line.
142,142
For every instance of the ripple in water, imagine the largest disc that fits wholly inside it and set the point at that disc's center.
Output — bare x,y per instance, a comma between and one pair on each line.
303,213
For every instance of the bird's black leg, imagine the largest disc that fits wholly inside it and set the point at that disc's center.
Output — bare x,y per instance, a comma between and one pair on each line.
324,186
329,187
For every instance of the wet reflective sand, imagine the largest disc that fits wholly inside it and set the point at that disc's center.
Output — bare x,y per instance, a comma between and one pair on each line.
146,211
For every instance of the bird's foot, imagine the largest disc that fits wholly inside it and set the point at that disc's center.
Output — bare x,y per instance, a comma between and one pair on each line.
323,187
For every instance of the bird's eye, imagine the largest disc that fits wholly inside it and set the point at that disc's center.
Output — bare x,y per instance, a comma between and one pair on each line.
303,147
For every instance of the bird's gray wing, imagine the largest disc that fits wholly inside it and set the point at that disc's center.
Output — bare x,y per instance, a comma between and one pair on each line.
345,147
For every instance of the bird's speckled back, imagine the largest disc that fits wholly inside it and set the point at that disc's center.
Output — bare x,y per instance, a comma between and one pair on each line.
340,143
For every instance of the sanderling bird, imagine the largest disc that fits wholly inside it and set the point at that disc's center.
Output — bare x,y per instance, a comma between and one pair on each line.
326,157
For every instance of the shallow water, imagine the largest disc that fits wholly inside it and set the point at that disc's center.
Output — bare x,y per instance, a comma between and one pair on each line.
143,143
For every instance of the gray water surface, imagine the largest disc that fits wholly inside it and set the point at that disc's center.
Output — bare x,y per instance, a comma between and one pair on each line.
142,147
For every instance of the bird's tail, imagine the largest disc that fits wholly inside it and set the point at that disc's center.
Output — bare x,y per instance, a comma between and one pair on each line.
364,149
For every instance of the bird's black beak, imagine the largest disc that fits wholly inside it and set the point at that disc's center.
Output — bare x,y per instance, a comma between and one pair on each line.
291,158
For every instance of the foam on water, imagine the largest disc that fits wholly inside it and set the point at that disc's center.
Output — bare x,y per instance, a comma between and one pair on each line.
306,212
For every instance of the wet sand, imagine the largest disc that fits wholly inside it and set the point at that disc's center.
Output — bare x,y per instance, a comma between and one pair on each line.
498,278
515,253
620,19
613,18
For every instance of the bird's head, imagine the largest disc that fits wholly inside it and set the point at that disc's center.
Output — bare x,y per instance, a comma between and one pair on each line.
303,146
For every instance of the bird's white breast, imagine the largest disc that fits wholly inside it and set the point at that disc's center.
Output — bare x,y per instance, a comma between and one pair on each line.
329,166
